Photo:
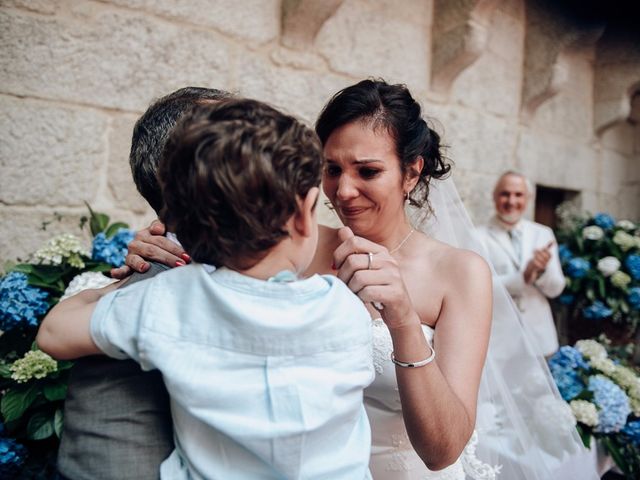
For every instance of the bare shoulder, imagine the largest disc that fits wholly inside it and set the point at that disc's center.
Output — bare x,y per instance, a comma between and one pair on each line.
458,264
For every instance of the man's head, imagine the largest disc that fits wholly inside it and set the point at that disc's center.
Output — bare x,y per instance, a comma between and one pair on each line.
233,177
511,196
152,131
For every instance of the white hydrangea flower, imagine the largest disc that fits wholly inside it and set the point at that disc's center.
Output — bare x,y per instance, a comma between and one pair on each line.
63,247
626,224
605,365
591,349
85,281
608,265
584,412
592,232
635,406
624,240
627,379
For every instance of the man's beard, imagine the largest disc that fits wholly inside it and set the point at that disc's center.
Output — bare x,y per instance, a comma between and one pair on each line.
510,218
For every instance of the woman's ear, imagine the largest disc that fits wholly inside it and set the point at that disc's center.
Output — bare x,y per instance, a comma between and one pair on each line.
304,219
412,174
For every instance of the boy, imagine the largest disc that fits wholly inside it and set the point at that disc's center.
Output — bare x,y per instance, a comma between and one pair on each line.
265,371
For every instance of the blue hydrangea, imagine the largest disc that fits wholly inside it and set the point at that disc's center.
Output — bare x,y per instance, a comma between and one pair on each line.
632,262
566,298
613,404
569,383
632,430
112,250
634,298
578,267
564,253
604,221
568,357
597,311
12,457
20,303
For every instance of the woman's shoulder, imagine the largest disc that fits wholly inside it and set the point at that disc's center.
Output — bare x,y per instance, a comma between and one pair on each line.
456,262
328,241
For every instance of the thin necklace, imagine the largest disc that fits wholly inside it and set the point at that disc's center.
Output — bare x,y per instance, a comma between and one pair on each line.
402,242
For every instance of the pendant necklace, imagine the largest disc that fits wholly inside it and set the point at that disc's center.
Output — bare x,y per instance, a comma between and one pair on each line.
402,242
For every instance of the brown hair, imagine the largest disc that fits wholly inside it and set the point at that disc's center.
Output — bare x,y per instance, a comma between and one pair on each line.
231,177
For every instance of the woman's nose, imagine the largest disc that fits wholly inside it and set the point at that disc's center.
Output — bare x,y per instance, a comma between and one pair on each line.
346,188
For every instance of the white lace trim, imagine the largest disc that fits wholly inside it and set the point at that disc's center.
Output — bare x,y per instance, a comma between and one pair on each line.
473,466
382,345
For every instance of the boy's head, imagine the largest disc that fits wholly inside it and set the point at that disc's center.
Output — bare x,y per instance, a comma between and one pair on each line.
152,131
233,175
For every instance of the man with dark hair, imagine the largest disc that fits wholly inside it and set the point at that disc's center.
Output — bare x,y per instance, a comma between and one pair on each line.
117,420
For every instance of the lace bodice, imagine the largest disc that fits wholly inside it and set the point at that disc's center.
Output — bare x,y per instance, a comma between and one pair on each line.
392,456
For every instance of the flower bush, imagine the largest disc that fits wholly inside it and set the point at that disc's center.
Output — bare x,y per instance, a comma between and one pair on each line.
604,397
601,261
32,384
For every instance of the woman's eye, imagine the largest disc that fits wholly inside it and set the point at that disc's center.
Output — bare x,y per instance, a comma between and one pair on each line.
333,170
367,173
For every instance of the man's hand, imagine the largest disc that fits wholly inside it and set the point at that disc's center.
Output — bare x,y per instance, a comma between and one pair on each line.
537,264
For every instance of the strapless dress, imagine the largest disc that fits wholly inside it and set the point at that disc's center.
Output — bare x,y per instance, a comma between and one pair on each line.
392,456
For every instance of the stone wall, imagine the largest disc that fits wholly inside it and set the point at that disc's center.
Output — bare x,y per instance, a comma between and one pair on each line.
509,83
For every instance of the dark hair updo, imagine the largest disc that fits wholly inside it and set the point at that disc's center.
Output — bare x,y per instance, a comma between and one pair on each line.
393,108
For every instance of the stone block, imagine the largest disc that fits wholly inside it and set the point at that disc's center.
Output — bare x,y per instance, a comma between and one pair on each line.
113,59
613,172
24,230
570,112
50,155
365,40
120,182
620,137
301,93
253,20
482,143
47,7
557,161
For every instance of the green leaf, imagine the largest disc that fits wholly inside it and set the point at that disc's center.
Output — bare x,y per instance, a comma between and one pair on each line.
16,401
5,371
615,453
601,288
624,306
40,426
99,267
591,294
47,273
57,422
55,391
98,223
114,227
585,436
23,268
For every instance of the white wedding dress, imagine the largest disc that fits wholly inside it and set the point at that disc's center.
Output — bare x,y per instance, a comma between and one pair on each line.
392,456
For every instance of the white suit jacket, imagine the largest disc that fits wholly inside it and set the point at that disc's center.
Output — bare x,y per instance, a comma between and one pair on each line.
531,299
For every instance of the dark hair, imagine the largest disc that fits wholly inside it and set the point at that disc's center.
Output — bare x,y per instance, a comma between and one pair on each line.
151,132
231,177
391,107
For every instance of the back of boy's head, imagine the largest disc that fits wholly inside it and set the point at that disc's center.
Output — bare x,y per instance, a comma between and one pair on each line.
152,131
231,175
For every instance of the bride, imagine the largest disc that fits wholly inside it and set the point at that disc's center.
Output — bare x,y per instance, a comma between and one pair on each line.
409,252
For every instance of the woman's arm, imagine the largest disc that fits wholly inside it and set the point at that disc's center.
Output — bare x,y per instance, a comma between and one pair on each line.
64,333
439,399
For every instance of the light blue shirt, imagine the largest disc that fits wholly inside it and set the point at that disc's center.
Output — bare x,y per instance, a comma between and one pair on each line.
265,378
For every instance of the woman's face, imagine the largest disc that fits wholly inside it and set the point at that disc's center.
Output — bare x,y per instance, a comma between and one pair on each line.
363,179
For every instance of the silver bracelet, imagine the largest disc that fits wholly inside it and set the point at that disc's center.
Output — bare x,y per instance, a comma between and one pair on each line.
420,363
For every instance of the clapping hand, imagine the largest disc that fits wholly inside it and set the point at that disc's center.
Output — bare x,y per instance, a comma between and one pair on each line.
373,274
537,265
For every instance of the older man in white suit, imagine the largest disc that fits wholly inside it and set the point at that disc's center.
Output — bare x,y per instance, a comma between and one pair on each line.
525,257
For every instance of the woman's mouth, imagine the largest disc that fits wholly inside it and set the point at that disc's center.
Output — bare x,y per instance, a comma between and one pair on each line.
349,212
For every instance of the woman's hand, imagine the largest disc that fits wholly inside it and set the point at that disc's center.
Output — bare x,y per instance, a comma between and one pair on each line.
151,244
373,274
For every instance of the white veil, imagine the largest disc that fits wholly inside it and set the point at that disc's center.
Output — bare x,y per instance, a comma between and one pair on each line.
522,423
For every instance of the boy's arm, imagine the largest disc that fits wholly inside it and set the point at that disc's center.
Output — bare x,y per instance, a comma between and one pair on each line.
64,333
